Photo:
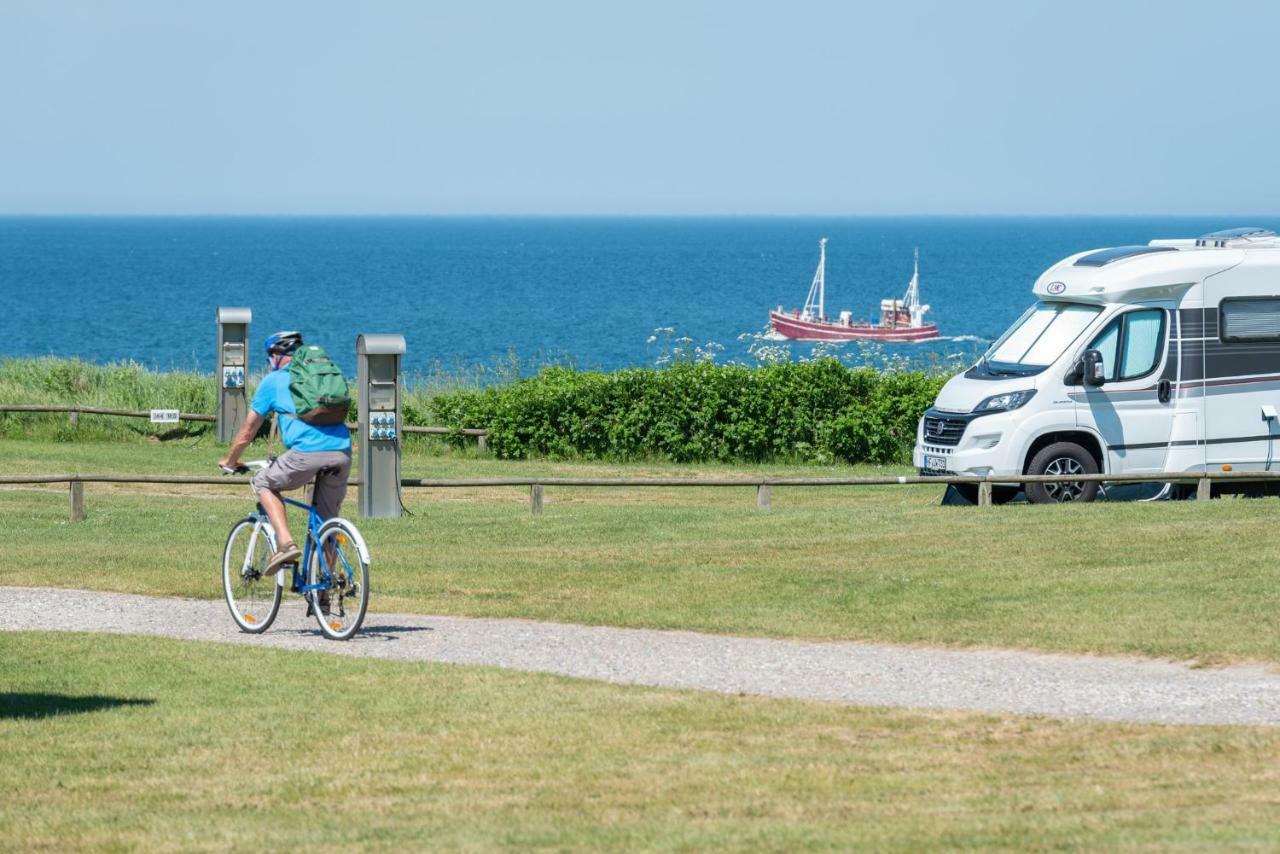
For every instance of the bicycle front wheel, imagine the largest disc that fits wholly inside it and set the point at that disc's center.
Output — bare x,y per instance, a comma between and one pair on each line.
339,577
254,598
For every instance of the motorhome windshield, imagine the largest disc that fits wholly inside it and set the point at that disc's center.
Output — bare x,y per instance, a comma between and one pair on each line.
1038,338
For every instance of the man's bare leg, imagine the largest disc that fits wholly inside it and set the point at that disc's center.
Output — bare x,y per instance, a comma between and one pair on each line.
274,506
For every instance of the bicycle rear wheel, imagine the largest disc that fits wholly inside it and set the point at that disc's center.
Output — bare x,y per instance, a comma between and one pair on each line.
254,598
341,574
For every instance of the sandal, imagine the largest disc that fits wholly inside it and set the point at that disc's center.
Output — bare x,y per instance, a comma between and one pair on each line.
285,555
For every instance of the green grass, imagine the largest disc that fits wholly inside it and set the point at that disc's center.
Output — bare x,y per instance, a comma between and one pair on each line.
424,456
121,743
1181,580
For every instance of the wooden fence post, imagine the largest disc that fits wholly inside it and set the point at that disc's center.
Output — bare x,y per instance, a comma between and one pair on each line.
481,442
535,499
1204,489
77,501
74,417
763,502
984,494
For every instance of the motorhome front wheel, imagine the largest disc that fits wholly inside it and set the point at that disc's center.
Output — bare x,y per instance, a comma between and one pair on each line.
1062,458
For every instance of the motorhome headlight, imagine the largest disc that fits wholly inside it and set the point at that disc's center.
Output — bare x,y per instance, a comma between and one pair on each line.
1004,402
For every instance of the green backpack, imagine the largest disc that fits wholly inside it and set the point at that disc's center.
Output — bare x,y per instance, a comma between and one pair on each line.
319,390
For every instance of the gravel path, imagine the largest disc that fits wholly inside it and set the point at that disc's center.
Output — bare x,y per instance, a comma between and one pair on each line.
1113,689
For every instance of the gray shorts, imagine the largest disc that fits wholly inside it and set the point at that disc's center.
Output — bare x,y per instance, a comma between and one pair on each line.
294,469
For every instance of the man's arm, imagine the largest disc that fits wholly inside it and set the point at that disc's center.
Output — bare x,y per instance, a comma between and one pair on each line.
248,430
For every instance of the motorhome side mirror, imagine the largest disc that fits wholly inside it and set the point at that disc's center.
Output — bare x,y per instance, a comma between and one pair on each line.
1094,372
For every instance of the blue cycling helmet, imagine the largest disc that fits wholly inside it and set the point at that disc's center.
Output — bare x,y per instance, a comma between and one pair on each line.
283,343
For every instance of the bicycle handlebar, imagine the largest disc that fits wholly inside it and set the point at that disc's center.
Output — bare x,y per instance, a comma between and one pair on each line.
246,467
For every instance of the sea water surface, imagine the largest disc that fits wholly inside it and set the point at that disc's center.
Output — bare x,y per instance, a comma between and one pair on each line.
468,290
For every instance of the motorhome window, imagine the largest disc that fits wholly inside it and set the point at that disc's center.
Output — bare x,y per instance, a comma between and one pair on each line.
1130,345
1040,336
1250,319
1141,343
1108,343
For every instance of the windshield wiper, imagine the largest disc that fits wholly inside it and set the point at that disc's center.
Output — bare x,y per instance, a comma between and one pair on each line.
996,372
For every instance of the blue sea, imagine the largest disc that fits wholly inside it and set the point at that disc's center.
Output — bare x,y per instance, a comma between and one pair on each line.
467,291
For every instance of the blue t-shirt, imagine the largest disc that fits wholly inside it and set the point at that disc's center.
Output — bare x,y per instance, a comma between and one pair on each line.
273,396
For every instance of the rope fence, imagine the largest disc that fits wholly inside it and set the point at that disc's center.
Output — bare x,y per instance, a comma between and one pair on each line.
763,485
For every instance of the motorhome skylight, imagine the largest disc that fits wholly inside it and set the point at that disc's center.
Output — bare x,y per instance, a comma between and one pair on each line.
1105,256
1218,239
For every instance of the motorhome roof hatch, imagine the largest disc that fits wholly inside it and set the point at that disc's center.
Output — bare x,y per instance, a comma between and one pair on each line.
1105,256
1220,239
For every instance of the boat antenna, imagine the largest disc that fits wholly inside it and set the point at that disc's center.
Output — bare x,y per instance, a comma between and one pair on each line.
813,304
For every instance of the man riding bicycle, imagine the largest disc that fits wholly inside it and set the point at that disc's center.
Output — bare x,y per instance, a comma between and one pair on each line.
313,451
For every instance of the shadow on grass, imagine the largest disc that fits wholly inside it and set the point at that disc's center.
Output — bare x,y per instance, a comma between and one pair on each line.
15,705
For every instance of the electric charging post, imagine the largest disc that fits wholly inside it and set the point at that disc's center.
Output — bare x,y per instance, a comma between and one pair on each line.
233,343
378,376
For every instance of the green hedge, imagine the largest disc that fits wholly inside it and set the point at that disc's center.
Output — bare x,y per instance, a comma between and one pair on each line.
692,412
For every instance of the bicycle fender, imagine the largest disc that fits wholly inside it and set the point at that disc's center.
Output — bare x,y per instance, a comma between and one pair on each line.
266,528
355,532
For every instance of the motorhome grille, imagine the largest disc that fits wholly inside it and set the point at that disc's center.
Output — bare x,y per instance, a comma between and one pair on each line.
941,430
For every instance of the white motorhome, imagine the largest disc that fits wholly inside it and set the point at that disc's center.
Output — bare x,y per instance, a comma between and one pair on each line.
1164,357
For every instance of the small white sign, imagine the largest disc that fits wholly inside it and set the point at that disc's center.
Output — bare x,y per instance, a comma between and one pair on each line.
164,416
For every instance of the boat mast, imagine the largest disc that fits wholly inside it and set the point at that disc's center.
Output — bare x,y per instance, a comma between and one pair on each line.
912,299
911,302
813,304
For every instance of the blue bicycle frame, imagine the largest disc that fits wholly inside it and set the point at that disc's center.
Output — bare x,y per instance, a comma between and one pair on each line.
313,537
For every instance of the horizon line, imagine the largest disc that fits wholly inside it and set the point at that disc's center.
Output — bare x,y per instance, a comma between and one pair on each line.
712,215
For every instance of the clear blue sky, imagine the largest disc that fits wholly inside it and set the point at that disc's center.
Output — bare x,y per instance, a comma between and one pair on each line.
648,107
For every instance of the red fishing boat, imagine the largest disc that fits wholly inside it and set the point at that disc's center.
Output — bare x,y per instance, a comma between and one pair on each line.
900,319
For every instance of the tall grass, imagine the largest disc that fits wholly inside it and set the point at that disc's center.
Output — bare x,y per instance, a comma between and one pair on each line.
443,377
120,385
130,385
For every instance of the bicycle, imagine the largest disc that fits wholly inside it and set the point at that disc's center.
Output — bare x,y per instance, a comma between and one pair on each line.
336,562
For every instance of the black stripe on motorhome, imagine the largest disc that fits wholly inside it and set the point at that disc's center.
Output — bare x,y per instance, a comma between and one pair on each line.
1170,371
1198,323
1211,360
1184,443
1184,390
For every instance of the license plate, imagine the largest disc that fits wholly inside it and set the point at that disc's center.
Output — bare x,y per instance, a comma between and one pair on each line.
932,463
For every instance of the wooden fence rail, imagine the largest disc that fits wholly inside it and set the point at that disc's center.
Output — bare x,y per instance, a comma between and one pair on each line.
96,410
76,411
763,485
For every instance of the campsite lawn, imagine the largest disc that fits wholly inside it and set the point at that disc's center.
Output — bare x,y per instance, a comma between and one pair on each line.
1183,580
123,743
